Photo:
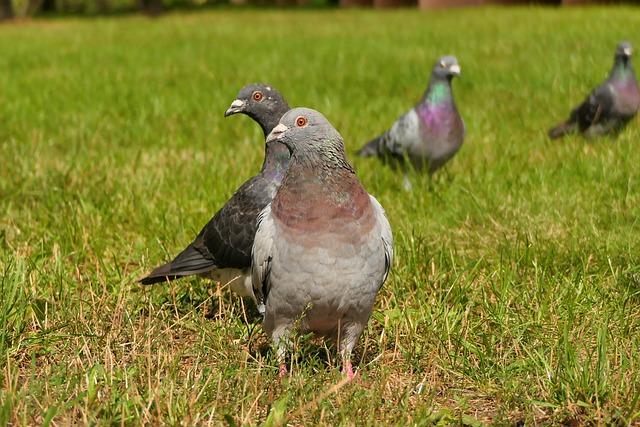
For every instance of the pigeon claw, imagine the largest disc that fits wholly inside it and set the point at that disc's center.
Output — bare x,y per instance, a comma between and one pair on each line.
347,370
282,370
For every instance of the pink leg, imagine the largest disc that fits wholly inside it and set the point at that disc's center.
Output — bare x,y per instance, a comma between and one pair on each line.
280,339
347,370
348,335
282,371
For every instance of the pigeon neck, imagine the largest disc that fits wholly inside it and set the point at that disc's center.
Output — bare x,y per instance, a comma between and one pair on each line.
329,162
319,189
268,122
269,119
276,160
276,154
322,201
438,92
621,68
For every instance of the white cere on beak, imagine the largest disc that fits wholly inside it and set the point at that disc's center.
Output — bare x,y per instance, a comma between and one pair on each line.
627,51
277,132
455,69
280,128
237,103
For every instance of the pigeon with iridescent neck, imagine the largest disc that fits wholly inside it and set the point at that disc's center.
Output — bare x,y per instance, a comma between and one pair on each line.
323,247
610,106
431,132
222,250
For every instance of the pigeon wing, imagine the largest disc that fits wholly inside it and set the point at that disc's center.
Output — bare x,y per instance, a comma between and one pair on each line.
596,108
387,236
261,256
228,237
404,133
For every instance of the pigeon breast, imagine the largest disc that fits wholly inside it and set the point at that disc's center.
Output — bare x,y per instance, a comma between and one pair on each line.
627,98
329,251
442,127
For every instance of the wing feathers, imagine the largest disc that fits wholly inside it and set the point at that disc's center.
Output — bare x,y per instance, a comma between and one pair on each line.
190,261
261,257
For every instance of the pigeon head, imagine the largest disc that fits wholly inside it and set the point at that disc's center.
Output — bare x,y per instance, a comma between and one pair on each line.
304,130
622,62
624,50
446,67
261,102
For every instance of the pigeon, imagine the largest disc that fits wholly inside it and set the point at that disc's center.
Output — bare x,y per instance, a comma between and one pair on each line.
610,106
431,132
222,250
323,247
262,103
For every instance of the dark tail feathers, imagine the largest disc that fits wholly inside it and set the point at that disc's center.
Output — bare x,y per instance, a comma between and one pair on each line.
189,262
371,148
561,130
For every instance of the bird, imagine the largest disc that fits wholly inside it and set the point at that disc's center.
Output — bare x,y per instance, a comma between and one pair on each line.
431,132
222,249
610,106
323,247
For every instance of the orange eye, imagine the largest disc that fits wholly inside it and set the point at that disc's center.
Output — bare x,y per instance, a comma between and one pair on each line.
257,96
301,121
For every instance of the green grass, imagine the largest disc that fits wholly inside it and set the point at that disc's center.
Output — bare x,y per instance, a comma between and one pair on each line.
515,293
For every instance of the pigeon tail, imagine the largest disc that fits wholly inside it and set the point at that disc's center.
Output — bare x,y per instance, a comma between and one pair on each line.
561,130
371,148
189,262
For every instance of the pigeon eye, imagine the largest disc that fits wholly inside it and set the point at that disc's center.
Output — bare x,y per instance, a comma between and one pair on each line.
257,96
301,121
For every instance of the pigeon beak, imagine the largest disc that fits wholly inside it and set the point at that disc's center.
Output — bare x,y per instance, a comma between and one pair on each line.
627,51
276,133
455,69
237,106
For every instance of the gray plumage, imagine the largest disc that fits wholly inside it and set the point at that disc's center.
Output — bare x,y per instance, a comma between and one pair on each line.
323,247
222,250
610,106
430,133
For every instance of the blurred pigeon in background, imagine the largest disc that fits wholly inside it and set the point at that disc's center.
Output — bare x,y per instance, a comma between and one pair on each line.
323,247
610,106
431,132
222,250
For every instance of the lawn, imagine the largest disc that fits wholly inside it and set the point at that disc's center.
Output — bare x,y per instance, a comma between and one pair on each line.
515,292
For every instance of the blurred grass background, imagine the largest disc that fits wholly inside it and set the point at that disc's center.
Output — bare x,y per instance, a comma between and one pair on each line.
515,292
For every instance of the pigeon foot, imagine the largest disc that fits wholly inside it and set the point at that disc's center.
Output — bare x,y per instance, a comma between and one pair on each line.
282,370
348,370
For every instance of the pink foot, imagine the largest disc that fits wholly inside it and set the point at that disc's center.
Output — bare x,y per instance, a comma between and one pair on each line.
282,371
347,370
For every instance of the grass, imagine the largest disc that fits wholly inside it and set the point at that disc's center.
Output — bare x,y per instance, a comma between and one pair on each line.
515,294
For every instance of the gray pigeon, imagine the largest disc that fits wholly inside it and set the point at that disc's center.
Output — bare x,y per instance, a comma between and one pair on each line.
610,106
432,131
222,250
323,247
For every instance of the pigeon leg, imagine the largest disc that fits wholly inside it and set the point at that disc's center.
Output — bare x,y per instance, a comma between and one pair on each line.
347,370
281,354
281,341
282,370
349,335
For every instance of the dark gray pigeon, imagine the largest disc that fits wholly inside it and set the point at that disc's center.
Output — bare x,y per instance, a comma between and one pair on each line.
222,250
610,106
323,247
432,131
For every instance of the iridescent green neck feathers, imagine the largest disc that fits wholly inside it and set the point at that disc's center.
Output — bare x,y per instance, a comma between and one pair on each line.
439,92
